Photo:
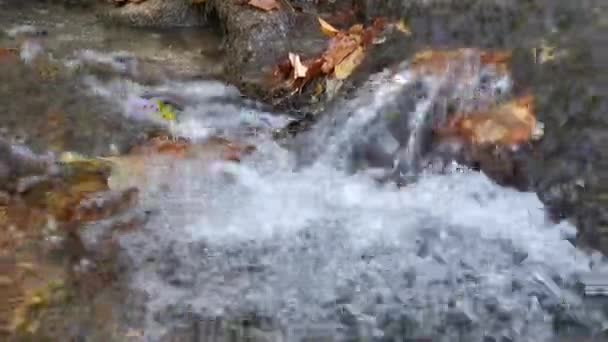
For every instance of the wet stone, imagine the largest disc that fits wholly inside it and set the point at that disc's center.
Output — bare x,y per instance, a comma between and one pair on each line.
154,13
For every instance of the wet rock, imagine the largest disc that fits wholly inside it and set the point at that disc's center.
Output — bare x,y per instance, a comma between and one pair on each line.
155,13
257,40
54,115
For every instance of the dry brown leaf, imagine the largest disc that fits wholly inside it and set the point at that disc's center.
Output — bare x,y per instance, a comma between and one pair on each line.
371,33
265,5
327,28
511,123
342,45
345,68
345,49
299,69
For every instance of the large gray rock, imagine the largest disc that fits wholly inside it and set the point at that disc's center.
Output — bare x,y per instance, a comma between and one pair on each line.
155,13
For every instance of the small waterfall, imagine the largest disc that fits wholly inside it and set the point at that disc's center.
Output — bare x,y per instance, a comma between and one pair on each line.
319,252
394,114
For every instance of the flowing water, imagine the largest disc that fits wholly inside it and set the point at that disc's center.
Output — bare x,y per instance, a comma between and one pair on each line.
319,251
282,247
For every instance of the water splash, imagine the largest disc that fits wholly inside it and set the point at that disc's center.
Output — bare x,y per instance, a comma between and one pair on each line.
208,108
318,246
326,253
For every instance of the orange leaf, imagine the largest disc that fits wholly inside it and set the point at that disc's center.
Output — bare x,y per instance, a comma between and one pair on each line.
280,73
265,5
511,123
314,70
327,28
342,45
356,29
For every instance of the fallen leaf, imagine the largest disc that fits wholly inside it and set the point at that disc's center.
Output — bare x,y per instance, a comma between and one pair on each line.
507,124
401,26
265,5
314,70
327,28
370,34
299,69
350,63
342,45
345,51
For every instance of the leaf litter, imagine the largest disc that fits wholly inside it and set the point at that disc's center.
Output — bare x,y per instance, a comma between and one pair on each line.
346,50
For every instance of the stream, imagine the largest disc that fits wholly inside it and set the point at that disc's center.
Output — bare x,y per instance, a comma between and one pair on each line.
302,242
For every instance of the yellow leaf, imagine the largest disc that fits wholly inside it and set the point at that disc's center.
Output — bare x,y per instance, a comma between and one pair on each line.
327,28
511,123
299,69
166,111
401,26
349,64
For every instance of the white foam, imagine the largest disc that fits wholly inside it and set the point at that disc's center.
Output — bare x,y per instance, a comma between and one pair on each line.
315,245
307,233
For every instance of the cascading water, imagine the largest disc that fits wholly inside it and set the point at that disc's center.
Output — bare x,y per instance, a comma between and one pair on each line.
322,252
